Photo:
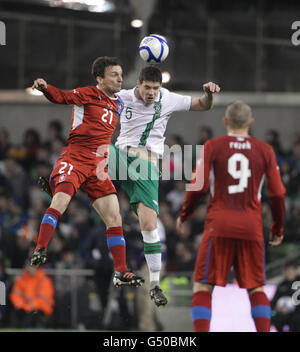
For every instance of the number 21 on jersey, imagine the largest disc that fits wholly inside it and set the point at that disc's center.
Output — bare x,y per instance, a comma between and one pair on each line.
107,112
242,174
62,169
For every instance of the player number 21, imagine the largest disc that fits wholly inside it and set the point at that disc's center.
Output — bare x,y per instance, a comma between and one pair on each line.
242,174
103,117
62,169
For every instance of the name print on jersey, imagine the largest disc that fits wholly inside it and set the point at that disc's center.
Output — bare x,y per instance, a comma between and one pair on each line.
239,145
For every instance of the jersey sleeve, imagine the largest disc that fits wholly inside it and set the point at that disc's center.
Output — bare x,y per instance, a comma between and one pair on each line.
179,102
200,182
75,97
274,183
276,192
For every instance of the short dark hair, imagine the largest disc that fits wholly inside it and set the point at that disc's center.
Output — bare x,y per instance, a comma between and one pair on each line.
99,65
150,73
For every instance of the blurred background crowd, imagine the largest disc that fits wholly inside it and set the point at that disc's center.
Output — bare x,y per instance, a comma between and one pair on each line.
80,237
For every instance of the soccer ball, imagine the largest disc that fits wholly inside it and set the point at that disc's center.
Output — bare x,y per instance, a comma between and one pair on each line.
154,49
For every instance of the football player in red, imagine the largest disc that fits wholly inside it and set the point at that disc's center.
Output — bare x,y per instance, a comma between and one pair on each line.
234,168
96,110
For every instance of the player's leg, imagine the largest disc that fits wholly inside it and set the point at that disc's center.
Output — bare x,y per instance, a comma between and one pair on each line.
213,263
201,306
250,274
152,251
65,179
60,201
202,289
260,309
143,194
108,209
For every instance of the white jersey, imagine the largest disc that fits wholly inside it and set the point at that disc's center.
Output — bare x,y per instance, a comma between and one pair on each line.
145,124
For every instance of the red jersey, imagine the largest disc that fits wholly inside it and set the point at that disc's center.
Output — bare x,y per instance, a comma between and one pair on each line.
94,115
235,168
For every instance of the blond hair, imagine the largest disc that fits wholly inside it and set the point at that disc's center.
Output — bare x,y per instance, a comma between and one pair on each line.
239,115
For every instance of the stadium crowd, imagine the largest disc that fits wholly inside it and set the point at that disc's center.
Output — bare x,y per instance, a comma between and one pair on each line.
80,238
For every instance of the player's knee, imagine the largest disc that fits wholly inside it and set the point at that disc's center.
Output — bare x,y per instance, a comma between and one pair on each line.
60,202
148,226
151,236
147,218
148,223
202,287
113,220
256,289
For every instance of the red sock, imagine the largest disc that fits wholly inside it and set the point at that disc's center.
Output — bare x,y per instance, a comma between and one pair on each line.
47,227
260,311
117,247
201,311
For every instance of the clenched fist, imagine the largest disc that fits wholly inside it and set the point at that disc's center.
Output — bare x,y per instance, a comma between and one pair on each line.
39,84
211,87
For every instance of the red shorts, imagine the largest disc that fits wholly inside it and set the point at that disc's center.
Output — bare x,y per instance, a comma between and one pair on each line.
84,170
216,256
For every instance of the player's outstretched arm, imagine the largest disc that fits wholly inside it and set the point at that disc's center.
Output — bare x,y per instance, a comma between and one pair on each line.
58,96
206,101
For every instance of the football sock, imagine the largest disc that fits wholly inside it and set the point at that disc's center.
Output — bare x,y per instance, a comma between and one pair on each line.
152,252
260,311
47,227
201,311
154,265
117,247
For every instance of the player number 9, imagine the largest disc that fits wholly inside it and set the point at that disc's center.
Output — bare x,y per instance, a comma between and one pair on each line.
242,174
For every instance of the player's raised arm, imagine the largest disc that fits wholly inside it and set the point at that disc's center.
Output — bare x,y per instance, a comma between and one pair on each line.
206,101
276,192
57,96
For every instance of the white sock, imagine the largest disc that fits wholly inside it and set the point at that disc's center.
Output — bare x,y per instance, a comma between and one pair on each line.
152,251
